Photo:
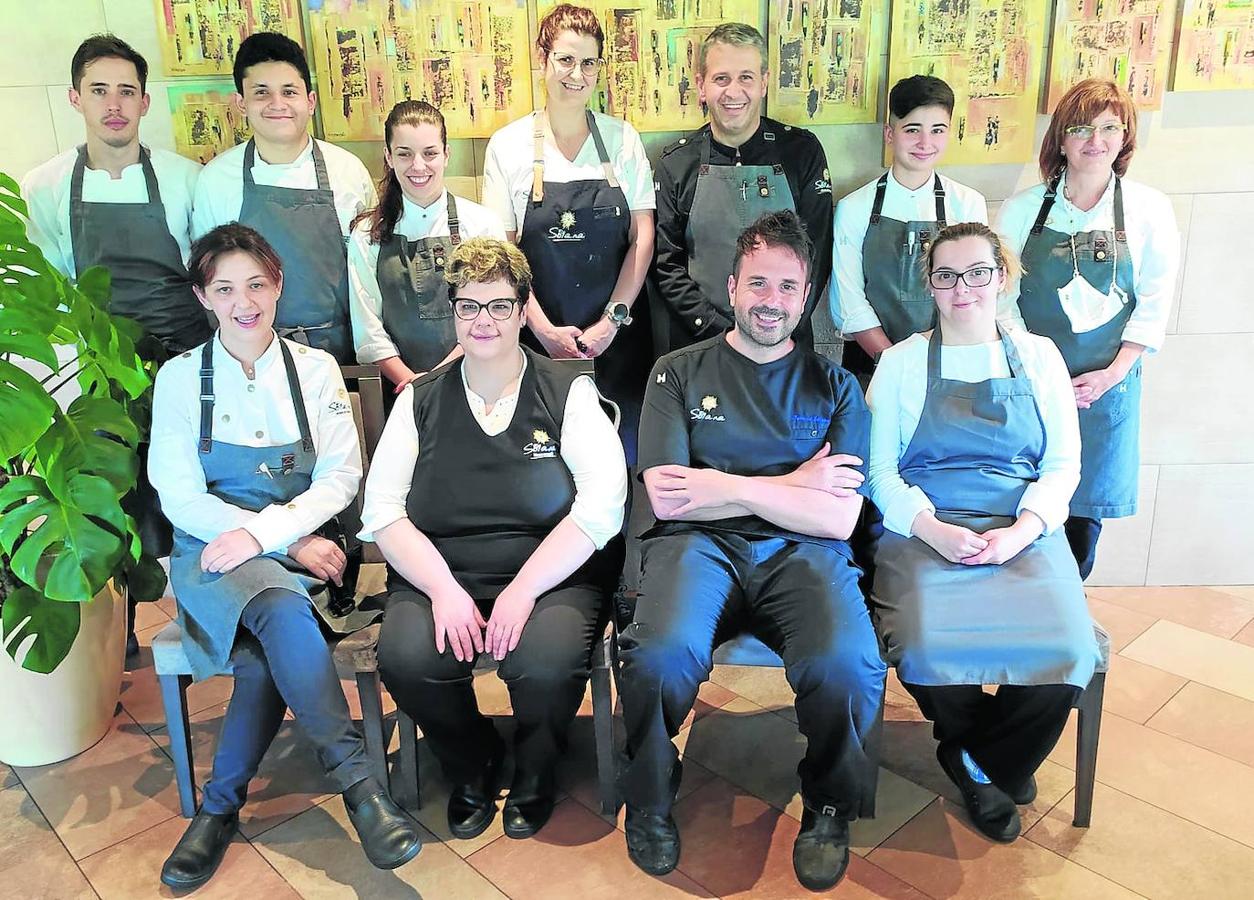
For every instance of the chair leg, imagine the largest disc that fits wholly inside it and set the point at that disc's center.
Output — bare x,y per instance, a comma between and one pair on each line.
1087,732
370,692
603,725
409,792
174,699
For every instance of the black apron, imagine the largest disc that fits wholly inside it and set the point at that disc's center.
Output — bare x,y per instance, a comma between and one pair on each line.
304,229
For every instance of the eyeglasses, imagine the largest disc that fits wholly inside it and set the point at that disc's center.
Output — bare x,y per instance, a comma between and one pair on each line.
500,309
977,276
1085,132
566,62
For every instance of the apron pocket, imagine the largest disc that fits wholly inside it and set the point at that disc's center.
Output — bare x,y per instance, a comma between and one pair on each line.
1119,402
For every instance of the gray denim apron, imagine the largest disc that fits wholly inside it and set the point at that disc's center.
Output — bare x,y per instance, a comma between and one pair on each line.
1110,429
976,449
252,478
304,229
417,314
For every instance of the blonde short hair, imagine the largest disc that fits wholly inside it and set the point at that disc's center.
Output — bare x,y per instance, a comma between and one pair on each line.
483,260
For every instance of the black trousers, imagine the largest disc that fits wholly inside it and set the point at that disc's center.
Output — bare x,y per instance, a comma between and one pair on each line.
546,675
802,600
1082,535
1009,733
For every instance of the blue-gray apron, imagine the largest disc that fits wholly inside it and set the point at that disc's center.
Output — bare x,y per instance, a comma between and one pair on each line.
252,478
417,314
976,449
1110,428
892,270
303,227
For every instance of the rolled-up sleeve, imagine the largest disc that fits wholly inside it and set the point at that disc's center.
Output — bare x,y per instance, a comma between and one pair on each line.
392,472
593,453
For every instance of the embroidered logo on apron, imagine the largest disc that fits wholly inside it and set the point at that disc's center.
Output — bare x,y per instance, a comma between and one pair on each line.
561,231
542,446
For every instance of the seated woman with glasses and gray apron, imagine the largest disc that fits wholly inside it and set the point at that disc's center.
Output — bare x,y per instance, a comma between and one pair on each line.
504,477
975,453
1101,255
575,191
398,298
254,449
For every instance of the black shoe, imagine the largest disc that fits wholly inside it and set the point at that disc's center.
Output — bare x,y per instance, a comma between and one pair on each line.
820,854
472,805
1025,793
132,645
388,836
199,851
990,809
652,841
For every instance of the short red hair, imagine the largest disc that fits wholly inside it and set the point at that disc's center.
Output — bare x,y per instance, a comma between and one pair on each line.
567,17
1080,106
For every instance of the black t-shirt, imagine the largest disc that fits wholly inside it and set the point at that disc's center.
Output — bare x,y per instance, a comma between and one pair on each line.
709,406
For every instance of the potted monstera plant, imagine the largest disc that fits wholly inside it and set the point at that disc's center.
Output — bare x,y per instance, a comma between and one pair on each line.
71,388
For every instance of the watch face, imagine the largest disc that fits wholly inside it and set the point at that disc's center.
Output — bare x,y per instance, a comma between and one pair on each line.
618,311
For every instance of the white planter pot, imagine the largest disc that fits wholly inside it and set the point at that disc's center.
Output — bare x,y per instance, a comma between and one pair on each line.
48,718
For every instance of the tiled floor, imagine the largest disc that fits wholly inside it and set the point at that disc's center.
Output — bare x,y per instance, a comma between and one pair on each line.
1171,819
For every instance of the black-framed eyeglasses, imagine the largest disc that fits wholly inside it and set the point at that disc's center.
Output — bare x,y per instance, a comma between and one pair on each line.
976,276
500,309
566,62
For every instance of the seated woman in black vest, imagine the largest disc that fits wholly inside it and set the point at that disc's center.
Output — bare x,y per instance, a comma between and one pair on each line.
499,476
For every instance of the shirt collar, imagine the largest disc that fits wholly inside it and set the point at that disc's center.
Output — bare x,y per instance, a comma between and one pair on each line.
264,362
1106,198
303,157
752,141
477,403
926,187
422,217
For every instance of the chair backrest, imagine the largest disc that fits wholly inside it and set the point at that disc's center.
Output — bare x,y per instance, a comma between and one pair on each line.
365,393
588,367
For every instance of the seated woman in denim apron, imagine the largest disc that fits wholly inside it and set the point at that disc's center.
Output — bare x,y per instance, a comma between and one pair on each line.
253,450
496,480
1101,254
398,298
975,453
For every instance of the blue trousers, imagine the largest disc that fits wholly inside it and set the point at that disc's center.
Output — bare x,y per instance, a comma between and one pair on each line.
699,588
281,660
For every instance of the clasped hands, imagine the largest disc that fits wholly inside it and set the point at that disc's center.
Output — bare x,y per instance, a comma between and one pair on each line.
970,548
460,625
231,549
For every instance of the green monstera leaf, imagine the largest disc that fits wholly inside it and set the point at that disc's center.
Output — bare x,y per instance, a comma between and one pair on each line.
44,628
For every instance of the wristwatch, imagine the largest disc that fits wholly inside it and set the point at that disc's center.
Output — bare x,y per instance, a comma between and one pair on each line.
618,312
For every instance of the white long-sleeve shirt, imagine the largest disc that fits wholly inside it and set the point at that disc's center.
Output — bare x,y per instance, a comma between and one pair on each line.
365,299
253,413
846,294
588,445
899,389
46,189
220,190
1153,244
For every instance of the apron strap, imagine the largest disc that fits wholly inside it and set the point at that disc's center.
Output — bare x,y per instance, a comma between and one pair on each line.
877,205
206,397
1051,192
320,165
610,177
298,402
1012,353
454,228
704,155
249,156
938,190
933,358
76,176
1121,233
537,164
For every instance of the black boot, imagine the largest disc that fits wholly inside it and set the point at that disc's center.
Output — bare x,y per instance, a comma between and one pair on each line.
529,804
820,854
1025,793
652,841
199,851
990,809
388,836
472,805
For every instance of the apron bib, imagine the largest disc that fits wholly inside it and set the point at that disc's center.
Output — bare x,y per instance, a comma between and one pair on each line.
252,478
304,230
976,448
1110,428
417,314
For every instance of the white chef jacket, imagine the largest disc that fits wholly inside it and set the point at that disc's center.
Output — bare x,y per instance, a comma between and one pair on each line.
1153,243
46,189
846,293
589,445
896,396
416,222
253,413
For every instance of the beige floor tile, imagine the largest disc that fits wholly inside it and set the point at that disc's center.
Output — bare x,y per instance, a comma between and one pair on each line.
1137,691
433,813
141,692
577,855
1237,590
1245,635
1203,608
1054,784
1122,624
1212,719
764,685
941,854
1223,665
908,749
897,801
1191,782
150,615
8,777
1149,851
132,869
318,853
737,846
33,862
169,606
120,787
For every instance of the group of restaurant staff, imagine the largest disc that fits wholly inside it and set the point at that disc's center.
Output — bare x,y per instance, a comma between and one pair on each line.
998,428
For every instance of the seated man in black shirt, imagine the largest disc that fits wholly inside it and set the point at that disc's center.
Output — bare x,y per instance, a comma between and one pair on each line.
752,451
